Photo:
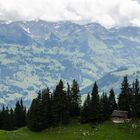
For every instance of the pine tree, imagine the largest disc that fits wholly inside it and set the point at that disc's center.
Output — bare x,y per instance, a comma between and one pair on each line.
35,115
60,105
104,108
2,115
75,99
68,94
125,98
20,114
112,101
47,111
85,113
95,105
12,124
136,99
1,119
5,121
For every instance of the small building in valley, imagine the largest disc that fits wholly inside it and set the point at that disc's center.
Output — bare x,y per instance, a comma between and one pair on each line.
119,116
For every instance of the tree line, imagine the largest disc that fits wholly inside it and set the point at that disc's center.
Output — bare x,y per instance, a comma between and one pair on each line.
54,109
60,107
97,108
11,119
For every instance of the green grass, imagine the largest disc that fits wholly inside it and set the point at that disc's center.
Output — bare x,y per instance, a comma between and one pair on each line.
106,131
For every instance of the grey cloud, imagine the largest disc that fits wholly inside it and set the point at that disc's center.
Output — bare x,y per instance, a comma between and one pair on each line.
106,12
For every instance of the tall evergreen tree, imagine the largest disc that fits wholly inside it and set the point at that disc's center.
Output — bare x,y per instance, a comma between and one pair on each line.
125,98
1,118
69,98
46,102
136,99
2,115
104,108
5,120
75,99
112,101
12,124
85,113
95,105
20,114
60,105
36,115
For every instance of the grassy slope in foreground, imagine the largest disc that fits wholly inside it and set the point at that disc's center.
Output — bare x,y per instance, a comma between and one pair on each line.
106,131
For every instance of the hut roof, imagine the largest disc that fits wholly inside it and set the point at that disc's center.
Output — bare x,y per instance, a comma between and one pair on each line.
119,113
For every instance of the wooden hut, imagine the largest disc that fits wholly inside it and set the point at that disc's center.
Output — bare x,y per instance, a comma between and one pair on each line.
119,116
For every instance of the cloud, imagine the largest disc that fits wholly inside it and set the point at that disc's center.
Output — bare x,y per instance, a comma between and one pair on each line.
106,12
12,97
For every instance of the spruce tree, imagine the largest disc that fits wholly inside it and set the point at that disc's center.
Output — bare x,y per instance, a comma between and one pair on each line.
20,114
1,119
2,115
12,124
47,110
125,98
112,101
85,113
95,105
75,99
104,108
36,115
68,94
136,99
60,108
6,121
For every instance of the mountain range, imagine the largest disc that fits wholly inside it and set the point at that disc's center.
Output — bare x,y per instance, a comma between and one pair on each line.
37,54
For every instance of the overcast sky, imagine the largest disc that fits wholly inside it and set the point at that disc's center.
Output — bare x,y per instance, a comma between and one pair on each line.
106,12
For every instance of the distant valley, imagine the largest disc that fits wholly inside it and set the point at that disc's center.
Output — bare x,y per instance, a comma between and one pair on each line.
36,54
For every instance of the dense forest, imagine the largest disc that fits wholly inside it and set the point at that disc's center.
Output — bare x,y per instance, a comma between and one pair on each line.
50,109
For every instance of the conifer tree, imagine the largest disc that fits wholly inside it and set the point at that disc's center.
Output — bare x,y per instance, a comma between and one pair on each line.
47,112
104,107
68,94
136,99
1,118
75,99
20,114
125,97
2,114
60,105
5,114
11,123
85,113
95,105
35,115
112,101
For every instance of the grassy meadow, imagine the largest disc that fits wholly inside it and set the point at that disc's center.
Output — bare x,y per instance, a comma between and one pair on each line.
105,131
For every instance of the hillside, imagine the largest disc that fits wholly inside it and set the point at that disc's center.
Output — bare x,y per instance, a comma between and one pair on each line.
37,54
77,132
114,79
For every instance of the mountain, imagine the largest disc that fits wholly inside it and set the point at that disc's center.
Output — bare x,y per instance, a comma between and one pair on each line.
36,54
114,79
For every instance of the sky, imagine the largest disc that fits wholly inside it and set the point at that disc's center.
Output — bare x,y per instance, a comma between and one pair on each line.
109,13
